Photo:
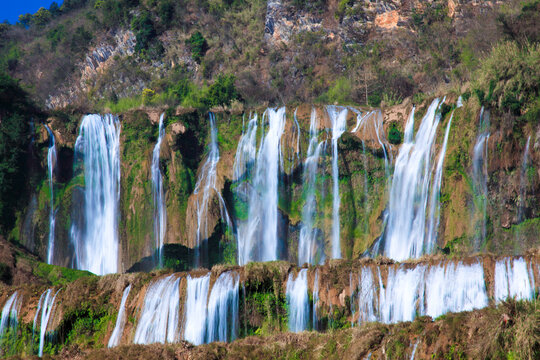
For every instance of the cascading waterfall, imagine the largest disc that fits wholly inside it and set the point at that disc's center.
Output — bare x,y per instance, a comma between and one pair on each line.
51,165
257,236
223,308
434,203
315,295
338,118
96,241
513,280
479,177
159,321
298,301
116,335
366,296
311,245
160,209
45,308
10,316
413,353
196,311
405,233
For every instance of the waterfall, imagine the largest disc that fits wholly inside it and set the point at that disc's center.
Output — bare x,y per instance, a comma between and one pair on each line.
160,315
367,304
414,349
459,102
196,312
116,335
523,180
298,301
160,208
45,307
434,201
96,241
51,165
315,319
10,317
405,232
479,177
513,280
310,245
455,287
338,118
257,235
223,308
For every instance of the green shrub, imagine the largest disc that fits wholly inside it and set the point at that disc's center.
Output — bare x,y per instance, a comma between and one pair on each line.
222,91
143,27
340,92
394,135
198,46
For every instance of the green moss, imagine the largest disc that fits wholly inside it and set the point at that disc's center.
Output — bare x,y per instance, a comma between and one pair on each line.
57,275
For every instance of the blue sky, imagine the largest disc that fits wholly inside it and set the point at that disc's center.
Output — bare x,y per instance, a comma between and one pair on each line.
11,9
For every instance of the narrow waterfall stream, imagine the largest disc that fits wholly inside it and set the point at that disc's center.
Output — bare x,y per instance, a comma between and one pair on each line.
10,319
160,208
513,280
223,308
116,335
298,301
96,240
45,308
51,166
195,309
523,180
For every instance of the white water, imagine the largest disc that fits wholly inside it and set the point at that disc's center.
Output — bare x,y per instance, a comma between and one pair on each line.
454,287
116,335
45,308
479,177
257,235
315,300
51,165
434,201
459,102
160,209
405,232
10,313
338,118
367,299
298,301
96,241
513,280
414,349
159,321
196,312
223,308
310,246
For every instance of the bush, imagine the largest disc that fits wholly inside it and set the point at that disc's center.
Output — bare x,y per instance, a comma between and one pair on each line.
340,92
143,27
198,46
222,91
394,135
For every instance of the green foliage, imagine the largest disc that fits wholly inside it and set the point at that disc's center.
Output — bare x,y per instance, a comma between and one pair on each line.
57,275
146,34
80,40
221,92
394,135
339,93
198,46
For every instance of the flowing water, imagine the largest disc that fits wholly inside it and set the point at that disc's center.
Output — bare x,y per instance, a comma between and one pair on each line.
196,311
51,165
223,308
405,233
367,302
45,308
338,118
10,318
310,244
513,280
96,240
298,301
160,208
523,180
315,294
159,321
116,335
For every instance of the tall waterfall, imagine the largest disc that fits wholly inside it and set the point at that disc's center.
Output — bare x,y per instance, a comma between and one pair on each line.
160,208
160,314
338,117
96,241
434,201
405,233
257,235
10,317
51,165
45,308
298,301
367,304
513,280
195,309
116,335
311,245
479,177
223,308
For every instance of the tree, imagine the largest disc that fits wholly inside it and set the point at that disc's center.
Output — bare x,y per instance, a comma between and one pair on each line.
198,46
25,19
41,17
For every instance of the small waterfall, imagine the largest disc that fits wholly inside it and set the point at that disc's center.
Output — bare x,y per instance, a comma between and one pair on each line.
338,117
51,165
10,318
257,236
315,319
310,245
298,301
196,312
367,305
116,335
459,102
45,308
455,287
479,177
523,180
434,203
160,208
223,308
405,232
96,241
414,349
160,315
513,280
